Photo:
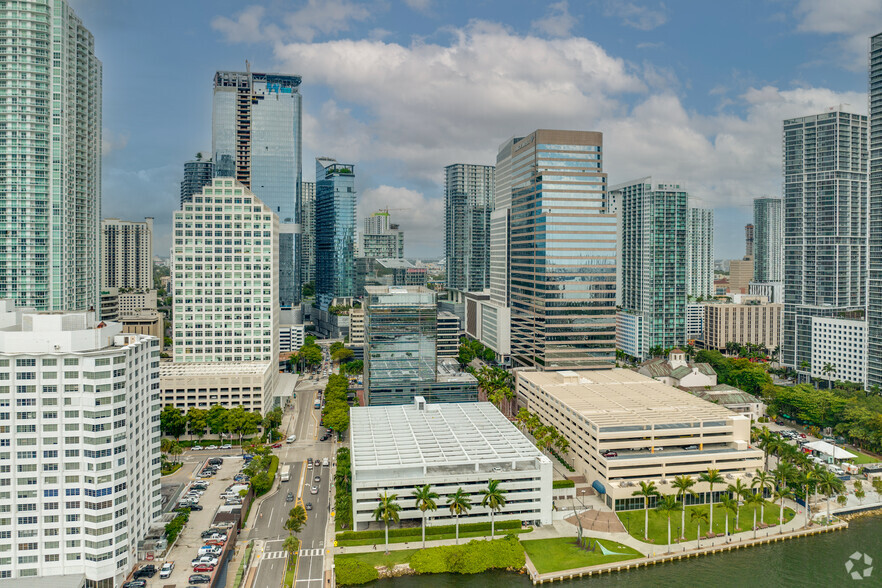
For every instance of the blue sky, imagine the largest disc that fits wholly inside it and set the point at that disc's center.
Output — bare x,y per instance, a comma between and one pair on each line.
685,90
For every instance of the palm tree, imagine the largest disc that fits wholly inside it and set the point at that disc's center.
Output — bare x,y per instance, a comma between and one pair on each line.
291,546
829,484
767,442
669,505
175,449
459,503
711,476
698,516
729,505
683,485
165,445
425,500
807,480
762,480
828,367
755,500
387,510
738,491
647,491
296,519
494,499
781,494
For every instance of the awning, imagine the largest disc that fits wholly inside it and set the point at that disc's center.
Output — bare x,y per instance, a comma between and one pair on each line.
830,449
598,486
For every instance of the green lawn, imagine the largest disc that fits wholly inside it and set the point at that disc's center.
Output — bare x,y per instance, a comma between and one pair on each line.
552,555
658,524
418,538
862,457
378,558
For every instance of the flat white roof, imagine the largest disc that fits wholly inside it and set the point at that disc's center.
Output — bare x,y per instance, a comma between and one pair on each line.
830,449
442,434
172,369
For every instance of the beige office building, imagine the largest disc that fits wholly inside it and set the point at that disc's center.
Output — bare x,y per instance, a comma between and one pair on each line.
137,300
356,326
202,385
740,275
624,428
749,322
126,253
144,322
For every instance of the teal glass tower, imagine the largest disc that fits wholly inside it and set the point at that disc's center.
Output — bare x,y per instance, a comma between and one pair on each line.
334,230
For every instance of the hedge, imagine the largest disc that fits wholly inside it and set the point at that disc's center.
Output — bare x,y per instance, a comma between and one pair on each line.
174,527
563,484
351,572
417,531
472,558
263,482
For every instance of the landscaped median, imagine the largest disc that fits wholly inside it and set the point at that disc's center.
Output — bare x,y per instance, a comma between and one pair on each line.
473,557
562,553
415,534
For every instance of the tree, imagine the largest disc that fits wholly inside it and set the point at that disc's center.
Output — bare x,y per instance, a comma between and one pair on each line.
711,476
698,516
296,519
165,444
172,421
308,289
335,346
494,499
668,505
342,355
387,510
291,546
216,418
424,500
647,491
728,505
829,484
242,422
459,503
175,450
781,494
197,419
755,500
761,481
272,421
738,491
683,485
807,481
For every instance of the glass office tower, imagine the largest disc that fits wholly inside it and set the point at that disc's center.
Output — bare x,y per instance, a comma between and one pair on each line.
468,202
334,230
257,139
874,291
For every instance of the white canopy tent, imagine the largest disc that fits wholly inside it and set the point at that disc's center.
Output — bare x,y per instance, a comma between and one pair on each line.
830,449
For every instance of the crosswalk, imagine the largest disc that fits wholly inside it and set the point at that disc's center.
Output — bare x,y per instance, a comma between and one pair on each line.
275,555
311,552
303,553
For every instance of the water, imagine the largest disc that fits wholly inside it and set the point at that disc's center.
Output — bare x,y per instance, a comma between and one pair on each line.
811,561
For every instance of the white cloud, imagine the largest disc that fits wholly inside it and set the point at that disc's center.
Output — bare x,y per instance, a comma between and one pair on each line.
853,22
245,28
638,16
312,19
111,141
419,5
558,22
421,218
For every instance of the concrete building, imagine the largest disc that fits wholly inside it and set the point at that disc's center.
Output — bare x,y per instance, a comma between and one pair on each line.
307,231
740,275
144,322
335,231
771,291
675,370
449,332
558,195
629,333
370,271
109,308
769,245
67,380
754,321
624,428
381,238
256,138
653,260
748,240
292,331
489,323
136,300
50,173
197,174
126,254
825,226
699,252
356,327
468,202
202,385
874,214
840,345
448,446
694,322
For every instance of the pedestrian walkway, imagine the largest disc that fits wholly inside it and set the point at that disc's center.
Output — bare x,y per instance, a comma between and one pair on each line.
275,555
311,552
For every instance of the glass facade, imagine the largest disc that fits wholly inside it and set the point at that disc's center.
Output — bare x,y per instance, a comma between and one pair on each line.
257,139
700,252
468,202
197,174
307,232
334,231
768,248
562,253
874,293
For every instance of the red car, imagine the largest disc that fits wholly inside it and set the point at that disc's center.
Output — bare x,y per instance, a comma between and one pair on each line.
203,568
216,542
277,446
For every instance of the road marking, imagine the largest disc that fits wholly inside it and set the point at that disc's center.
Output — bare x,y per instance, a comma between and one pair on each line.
310,552
275,555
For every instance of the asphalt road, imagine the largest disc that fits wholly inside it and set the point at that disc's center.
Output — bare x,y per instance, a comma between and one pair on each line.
302,421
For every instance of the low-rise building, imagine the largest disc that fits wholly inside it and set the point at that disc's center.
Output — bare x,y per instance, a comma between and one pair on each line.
839,349
694,322
144,322
750,322
490,323
202,385
449,332
677,371
448,446
291,338
624,428
109,304
736,400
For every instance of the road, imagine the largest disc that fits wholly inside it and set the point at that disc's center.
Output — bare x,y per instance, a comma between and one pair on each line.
302,421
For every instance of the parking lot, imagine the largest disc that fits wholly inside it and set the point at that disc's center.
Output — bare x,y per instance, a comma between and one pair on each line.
190,540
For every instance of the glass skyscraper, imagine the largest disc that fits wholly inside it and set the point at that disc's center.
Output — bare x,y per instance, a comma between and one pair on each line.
307,232
468,202
700,252
50,172
768,246
874,292
563,253
257,139
334,230
197,174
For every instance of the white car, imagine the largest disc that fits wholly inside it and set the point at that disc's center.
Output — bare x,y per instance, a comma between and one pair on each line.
197,448
226,446
212,447
204,560
166,569
291,439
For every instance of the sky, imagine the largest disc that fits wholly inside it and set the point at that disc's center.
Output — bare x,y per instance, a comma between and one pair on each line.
683,90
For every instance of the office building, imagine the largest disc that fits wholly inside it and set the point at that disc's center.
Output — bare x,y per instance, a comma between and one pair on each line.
126,253
748,240
468,202
109,309
825,226
629,334
625,428
334,230
395,271
754,321
448,446
307,231
249,384
771,291
256,137
694,322
144,322
447,337
63,513
563,301
653,218
197,174
489,323
136,300
740,275
49,252
769,245
839,349
874,293
699,252
356,327
381,239
400,357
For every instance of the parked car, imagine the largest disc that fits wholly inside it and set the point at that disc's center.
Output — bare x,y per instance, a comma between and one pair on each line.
209,550
216,461
216,542
200,579
205,560
197,448
212,447
276,445
135,584
226,446
166,569
147,571
209,533
610,454
203,568
195,507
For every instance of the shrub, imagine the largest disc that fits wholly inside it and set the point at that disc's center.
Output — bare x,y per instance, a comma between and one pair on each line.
351,572
472,558
176,525
563,484
417,531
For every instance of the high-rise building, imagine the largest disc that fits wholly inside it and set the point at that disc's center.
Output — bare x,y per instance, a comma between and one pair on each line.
126,253
874,292
226,304
50,173
825,225
334,230
197,173
381,239
257,139
748,240
307,231
653,219
740,275
67,381
769,244
468,202
563,253
700,253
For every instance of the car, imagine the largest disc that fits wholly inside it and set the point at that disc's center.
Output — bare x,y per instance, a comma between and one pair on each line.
195,507
209,550
276,445
199,579
205,560
147,571
197,448
317,479
209,533
326,463
309,465
216,461
802,435
308,506
313,490
216,542
203,568
216,536
291,439
290,497
610,454
166,569
135,584
226,446
212,447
